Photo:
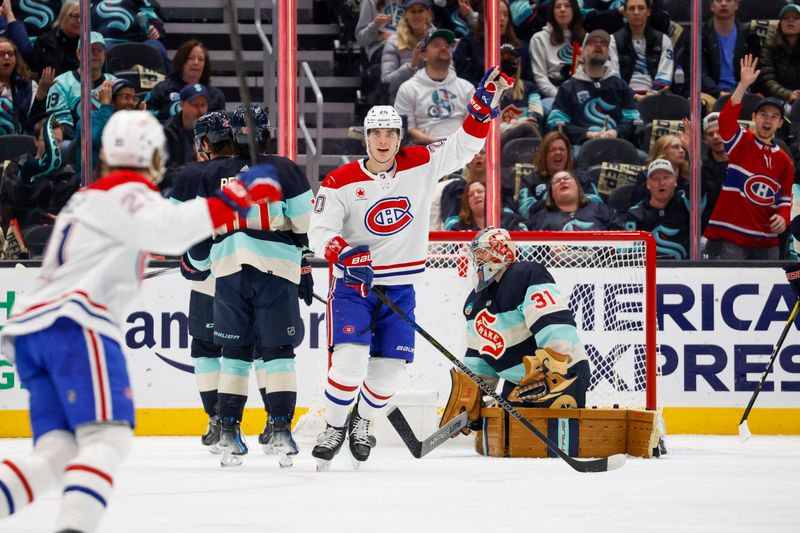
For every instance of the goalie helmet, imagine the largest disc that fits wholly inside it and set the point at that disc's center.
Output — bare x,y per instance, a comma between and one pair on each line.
383,116
135,139
215,126
261,119
490,252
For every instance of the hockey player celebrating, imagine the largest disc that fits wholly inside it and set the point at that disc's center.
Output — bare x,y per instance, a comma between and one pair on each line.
371,221
256,263
65,334
519,328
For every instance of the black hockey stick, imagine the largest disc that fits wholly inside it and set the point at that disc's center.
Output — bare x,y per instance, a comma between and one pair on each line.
592,465
744,429
238,61
160,272
421,448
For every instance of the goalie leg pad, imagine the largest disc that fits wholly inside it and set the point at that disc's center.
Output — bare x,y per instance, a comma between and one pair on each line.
465,395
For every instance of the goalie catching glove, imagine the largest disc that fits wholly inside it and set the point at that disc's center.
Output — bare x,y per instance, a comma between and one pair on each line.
546,376
354,262
465,395
255,185
485,103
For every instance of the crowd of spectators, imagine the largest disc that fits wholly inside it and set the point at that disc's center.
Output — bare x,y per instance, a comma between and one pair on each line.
606,70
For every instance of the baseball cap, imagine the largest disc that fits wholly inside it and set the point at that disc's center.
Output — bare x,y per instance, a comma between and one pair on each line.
447,35
770,101
192,91
787,9
510,48
95,38
660,164
119,84
711,120
597,34
409,3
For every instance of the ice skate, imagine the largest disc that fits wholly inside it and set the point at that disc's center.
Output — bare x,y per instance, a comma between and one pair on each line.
280,441
210,438
266,436
360,441
231,443
328,445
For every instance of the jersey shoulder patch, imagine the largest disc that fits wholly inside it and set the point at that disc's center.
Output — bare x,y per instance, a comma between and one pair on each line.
345,175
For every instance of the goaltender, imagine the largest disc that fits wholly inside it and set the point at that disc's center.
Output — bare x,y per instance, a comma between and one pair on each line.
519,328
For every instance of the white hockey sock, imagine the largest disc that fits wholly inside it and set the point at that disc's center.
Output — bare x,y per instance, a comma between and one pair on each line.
22,481
348,367
88,479
383,379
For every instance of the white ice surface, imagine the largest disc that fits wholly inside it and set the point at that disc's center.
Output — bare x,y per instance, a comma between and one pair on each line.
704,484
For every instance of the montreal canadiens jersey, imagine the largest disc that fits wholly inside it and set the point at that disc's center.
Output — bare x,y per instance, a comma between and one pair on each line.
516,316
94,262
757,185
390,212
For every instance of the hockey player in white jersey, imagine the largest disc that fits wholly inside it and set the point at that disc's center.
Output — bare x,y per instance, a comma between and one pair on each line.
371,220
64,334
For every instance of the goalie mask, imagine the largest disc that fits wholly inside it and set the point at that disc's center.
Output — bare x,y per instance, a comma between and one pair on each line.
490,252
383,116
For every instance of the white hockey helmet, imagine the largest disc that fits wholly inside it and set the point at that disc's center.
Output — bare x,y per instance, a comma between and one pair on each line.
135,139
383,116
490,252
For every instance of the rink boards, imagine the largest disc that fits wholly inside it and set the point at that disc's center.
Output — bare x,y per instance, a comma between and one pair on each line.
717,327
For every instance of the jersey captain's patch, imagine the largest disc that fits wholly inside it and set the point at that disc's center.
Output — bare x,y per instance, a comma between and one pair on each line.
495,343
760,190
389,216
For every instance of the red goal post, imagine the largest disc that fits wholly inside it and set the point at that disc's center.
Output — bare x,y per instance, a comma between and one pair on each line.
609,278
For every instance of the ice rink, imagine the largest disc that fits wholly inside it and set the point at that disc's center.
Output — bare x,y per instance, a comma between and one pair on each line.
704,484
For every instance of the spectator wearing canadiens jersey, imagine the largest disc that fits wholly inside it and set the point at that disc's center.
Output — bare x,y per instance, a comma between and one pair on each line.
370,218
754,204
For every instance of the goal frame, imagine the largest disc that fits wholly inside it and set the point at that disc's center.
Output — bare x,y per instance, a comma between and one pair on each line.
650,323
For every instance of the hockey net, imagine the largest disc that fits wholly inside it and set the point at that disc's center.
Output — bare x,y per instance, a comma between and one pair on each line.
609,280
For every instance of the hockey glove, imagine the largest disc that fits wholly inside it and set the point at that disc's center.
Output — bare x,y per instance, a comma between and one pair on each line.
305,290
793,275
236,196
262,183
357,266
485,102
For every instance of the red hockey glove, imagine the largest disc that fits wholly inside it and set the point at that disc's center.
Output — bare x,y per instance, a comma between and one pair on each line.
236,196
262,183
485,102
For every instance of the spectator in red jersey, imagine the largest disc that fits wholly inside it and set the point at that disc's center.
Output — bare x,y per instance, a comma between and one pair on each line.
753,206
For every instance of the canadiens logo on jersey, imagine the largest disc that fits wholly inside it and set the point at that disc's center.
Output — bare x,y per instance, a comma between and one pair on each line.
761,190
389,216
495,343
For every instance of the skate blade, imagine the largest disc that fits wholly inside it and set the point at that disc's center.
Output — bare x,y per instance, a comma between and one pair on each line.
214,448
269,449
355,462
323,465
286,461
228,459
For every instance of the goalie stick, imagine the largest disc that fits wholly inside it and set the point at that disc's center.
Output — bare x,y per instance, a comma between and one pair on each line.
744,429
592,465
421,448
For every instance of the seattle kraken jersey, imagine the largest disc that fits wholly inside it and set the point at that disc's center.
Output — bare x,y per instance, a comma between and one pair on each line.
669,226
37,15
390,211
270,237
590,217
516,316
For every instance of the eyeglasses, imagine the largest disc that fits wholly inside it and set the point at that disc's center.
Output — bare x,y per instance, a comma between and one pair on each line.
562,179
7,53
74,16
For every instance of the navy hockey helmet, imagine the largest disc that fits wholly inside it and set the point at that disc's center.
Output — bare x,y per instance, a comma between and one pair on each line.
216,126
261,119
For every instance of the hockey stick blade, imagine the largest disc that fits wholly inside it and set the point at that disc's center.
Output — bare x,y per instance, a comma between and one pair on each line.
421,448
603,464
744,431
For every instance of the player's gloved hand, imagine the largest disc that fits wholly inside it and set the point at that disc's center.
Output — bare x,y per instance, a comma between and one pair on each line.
485,102
236,195
306,288
357,266
546,376
793,276
262,183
